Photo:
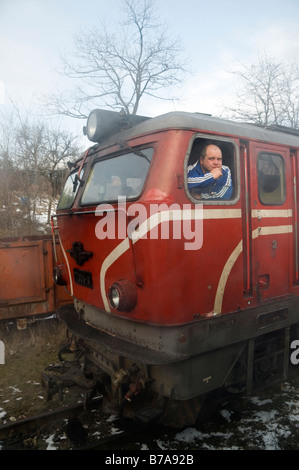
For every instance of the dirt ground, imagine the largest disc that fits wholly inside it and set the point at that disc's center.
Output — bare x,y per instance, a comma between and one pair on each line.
27,353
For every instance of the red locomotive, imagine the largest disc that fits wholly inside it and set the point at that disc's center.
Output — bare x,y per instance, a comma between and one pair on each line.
177,293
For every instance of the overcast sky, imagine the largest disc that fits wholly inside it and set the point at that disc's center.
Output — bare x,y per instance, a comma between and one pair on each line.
216,35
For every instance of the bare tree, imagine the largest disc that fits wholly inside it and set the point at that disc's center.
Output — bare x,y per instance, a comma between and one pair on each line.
9,215
59,147
268,93
32,165
116,70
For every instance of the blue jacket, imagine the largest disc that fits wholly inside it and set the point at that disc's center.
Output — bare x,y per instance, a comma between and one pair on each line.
206,186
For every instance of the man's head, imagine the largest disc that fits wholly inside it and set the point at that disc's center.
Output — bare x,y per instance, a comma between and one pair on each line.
210,158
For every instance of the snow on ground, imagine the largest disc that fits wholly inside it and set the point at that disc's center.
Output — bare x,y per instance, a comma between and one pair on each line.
41,215
263,423
259,422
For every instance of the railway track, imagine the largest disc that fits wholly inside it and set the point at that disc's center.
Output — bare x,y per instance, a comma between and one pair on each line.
17,433
32,432
25,367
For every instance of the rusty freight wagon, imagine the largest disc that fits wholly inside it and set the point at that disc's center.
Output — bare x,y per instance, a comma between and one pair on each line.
27,289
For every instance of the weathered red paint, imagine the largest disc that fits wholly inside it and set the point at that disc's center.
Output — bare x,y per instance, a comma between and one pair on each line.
175,284
26,287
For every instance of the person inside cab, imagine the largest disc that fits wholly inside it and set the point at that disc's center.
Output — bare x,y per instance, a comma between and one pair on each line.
208,178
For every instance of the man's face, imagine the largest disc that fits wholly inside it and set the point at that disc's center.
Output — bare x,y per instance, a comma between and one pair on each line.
212,159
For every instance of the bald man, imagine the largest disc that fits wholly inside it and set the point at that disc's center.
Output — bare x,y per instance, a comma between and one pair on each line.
208,178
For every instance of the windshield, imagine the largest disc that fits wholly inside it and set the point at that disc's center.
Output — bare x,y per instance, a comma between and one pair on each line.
69,191
123,175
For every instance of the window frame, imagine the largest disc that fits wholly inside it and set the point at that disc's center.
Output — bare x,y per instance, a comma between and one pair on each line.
113,156
235,172
72,173
284,182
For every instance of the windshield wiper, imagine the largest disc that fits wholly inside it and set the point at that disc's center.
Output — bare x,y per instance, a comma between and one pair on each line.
137,152
77,178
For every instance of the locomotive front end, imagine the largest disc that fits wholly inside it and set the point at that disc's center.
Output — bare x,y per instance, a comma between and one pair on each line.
122,321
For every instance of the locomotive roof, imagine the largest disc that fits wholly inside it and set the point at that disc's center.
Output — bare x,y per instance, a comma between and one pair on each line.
203,122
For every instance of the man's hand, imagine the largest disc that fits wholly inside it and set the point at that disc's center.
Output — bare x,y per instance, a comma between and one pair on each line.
217,173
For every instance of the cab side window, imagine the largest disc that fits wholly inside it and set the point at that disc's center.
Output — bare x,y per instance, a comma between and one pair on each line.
204,181
271,179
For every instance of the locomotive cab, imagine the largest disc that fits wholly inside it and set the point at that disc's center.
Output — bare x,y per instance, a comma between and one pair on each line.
177,295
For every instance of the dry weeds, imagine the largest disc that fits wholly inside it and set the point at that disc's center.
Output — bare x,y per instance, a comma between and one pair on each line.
27,353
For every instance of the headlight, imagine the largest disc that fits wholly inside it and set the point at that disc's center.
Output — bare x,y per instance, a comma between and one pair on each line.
102,123
92,126
123,295
114,297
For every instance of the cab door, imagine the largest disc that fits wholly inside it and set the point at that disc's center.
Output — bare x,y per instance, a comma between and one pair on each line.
271,212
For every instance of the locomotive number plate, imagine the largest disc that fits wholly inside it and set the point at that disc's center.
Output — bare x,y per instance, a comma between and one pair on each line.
83,278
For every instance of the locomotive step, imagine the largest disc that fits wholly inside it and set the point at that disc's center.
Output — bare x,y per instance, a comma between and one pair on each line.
148,415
